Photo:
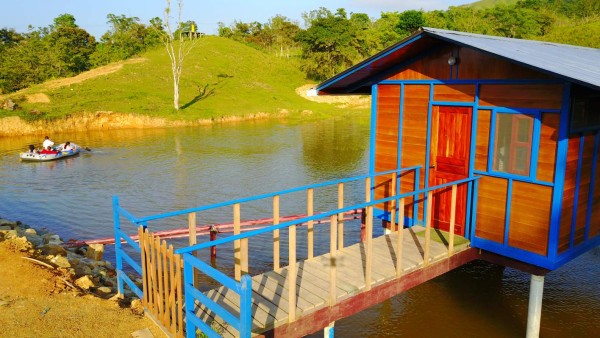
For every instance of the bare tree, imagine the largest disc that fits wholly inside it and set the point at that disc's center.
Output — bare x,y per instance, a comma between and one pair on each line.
177,53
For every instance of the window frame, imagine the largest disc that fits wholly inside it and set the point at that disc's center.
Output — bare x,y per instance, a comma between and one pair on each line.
532,145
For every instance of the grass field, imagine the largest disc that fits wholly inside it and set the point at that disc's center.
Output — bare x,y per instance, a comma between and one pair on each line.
220,78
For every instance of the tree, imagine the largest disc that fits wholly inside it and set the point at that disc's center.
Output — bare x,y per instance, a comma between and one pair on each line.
177,53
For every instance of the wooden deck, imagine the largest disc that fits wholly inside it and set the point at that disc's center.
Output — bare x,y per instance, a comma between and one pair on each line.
270,293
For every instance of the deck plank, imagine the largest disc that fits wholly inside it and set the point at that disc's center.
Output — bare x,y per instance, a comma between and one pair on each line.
270,290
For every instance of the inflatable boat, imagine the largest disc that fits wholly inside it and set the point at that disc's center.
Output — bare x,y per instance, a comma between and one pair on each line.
37,157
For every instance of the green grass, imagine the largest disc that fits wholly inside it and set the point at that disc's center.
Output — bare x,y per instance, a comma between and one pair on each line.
485,4
220,78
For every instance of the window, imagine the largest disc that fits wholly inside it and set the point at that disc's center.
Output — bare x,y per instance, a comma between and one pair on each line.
585,109
512,146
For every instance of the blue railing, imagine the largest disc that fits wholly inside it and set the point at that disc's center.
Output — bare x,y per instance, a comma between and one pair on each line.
242,321
121,255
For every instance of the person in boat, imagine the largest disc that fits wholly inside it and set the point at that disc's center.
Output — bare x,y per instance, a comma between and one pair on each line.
68,147
47,143
49,151
32,149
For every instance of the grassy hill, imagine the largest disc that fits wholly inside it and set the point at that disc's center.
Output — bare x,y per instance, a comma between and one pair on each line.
484,4
220,78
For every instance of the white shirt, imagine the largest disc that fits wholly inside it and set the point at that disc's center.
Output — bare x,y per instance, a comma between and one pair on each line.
47,143
68,147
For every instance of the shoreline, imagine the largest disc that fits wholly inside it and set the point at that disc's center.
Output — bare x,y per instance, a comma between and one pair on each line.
107,120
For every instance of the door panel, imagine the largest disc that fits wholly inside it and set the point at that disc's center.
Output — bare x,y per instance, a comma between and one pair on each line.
450,154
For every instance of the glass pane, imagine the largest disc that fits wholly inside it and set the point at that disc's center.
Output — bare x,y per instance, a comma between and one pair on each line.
513,143
524,129
521,164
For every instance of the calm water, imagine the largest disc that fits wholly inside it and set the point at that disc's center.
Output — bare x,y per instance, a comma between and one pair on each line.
156,171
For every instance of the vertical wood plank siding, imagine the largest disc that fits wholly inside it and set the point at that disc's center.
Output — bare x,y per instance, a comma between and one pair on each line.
454,93
595,219
548,142
491,208
386,143
584,188
566,215
542,96
477,65
530,217
482,140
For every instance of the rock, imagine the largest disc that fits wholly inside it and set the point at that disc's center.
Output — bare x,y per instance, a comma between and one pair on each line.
52,239
30,231
53,249
34,238
103,291
137,307
8,234
116,298
95,252
82,269
109,266
9,105
144,333
85,282
5,227
61,261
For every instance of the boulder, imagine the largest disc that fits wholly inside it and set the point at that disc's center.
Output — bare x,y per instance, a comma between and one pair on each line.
61,261
53,249
11,224
9,105
34,239
30,231
85,282
52,239
9,234
103,291
137,307
82,269
95,252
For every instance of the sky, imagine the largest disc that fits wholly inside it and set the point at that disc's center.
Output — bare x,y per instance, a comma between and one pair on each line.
91,14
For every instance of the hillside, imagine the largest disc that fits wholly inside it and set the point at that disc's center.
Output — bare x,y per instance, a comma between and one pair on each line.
485,4
220,78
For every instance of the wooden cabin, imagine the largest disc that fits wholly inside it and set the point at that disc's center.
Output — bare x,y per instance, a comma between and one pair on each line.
523,116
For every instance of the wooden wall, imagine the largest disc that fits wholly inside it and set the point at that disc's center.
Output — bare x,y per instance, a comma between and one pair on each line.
530,203
582,191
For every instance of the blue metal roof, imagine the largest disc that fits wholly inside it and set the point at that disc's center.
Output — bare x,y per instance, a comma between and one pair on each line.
573,63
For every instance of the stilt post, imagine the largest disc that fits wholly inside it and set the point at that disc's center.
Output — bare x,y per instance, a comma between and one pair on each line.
534,314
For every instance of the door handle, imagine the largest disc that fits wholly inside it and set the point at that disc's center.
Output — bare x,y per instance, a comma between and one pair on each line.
432,166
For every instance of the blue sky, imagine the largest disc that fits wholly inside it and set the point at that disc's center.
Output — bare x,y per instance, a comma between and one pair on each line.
91,14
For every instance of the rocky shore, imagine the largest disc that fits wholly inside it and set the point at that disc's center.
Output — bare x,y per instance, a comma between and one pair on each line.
78,269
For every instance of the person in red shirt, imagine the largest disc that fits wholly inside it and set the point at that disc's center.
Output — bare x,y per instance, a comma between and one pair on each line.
49,151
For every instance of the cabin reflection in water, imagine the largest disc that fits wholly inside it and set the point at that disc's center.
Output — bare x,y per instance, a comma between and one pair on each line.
491,141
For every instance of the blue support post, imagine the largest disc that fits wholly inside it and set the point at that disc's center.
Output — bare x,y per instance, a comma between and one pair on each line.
474,208
118,259
188,281
245,306
416,197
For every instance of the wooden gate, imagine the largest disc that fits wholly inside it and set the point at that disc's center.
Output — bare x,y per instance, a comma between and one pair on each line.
162,279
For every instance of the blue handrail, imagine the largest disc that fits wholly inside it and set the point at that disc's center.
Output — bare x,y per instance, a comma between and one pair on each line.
318,216
258,197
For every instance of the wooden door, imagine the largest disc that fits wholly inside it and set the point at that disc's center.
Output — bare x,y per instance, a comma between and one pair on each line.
450,154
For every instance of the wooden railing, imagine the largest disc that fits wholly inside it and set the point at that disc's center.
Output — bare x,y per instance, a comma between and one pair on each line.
240,241
162,282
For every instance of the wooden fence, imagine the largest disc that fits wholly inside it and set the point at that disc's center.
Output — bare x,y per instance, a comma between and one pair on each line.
162,282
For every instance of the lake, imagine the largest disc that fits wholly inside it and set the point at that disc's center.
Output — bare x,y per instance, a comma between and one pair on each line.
161,170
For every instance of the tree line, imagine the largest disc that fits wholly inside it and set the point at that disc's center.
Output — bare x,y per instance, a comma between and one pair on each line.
329,42
64,49
324,44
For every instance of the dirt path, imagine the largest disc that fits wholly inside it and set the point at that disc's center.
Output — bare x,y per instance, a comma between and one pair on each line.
34,302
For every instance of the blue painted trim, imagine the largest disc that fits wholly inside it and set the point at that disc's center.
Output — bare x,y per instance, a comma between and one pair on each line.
210,271
517,178
117,229
191,291
517,110
195,322
416,187
191,321
131,242
453,104
269,195
507,211
428,147
135,265
576,197
138,292
492,143
535,145
365,64
373,136
473,225
126,214
559,172
245,291
283,225
575,252
512,252
400,134
588,217
472,152
478,81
